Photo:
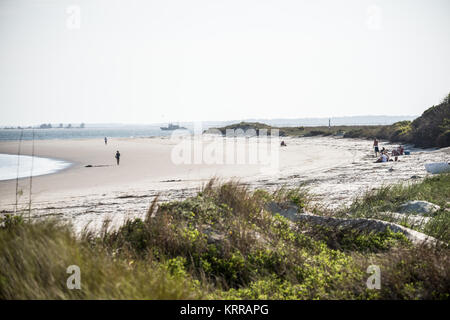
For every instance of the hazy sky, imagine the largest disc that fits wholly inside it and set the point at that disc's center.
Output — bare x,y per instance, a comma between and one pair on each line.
179,60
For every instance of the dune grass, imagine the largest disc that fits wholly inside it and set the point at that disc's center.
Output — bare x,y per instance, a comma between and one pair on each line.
34,259
221,244
434,189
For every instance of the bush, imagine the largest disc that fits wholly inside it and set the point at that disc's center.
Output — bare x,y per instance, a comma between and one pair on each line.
429,130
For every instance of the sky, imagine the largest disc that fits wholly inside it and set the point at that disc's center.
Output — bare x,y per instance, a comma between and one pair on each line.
152,61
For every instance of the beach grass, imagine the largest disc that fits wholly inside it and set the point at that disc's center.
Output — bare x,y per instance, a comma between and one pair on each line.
34,259
434,189
222,243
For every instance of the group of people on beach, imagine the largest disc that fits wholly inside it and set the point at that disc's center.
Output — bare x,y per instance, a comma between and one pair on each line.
384,153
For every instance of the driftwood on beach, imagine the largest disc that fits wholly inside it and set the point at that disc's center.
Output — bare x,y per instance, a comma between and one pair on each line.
359,224
370,225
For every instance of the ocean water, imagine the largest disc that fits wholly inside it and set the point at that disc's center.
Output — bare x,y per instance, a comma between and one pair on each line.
85,133
28,166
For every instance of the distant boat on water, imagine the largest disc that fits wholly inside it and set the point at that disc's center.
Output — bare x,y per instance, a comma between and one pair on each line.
172,127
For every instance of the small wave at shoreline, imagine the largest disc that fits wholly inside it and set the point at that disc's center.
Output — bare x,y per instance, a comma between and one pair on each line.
41,166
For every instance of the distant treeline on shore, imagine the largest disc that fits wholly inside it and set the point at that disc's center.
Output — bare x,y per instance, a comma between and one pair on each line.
431,129
49,126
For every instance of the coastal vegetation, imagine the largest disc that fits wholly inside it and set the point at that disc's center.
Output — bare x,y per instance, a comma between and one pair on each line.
435,189
228,242
48,126
431,129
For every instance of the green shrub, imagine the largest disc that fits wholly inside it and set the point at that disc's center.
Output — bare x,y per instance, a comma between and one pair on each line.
429,130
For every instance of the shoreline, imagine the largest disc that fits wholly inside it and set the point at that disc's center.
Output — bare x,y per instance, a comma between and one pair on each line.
68,163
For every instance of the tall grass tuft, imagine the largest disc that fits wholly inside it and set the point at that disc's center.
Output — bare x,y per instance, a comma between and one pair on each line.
34,259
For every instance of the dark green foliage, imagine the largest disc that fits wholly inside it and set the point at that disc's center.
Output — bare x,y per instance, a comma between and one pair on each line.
313,133
397,132
431,129
9,221
244,126
357,240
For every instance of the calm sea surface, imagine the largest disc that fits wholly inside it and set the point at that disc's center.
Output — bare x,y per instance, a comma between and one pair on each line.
85,133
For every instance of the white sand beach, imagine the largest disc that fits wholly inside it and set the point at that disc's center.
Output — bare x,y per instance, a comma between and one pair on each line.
335,169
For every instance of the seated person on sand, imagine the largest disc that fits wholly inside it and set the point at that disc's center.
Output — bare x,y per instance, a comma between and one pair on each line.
384,158
283,144
396,153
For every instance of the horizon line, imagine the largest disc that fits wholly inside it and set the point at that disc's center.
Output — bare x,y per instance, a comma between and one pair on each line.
195,121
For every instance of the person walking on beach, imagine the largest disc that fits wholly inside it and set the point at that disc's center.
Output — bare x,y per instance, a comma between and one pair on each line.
106,141
118,157
375,145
